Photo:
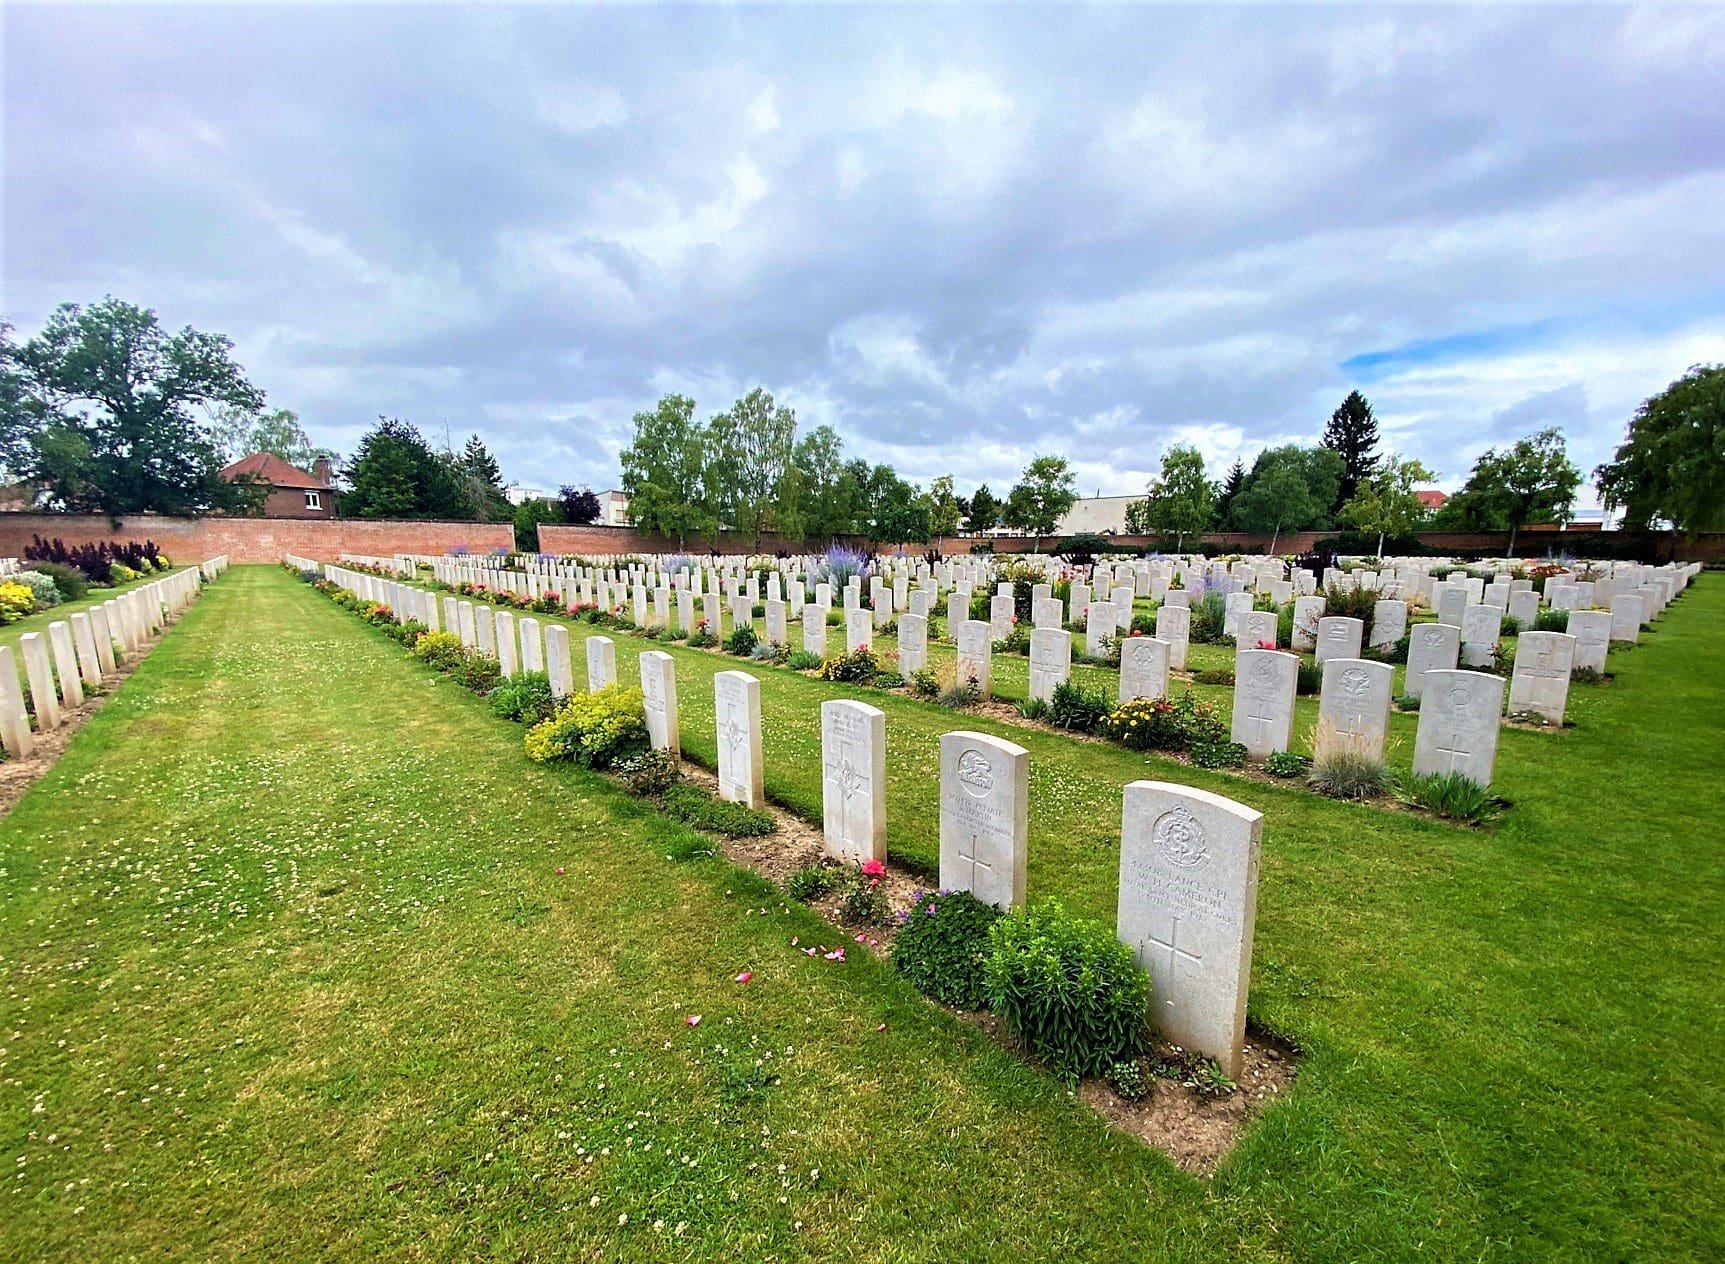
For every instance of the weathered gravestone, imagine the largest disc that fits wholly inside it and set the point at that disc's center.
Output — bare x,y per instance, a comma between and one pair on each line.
1339,637
737,714
1459,713
912,643
1592,632
1353,709
1050,661
984,817
975,650
1389,623
1188,905
1144,662
15,732
1174,629
557,664
853,781
859,629
1099,629
1628,613
1524,609
1307,612
66,663
1258,630
659,696
1480,626
1045,612
1000,617
507,642
532,646
601,662
40,677
1431,647
1264,686
1539,682
815,630
778,632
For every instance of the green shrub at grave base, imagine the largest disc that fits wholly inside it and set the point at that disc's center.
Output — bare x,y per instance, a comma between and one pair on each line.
925,683
860,666
1551,621
1214,676
1309,679
802,660
407,633
478,672
741,641
1067,988
1209,617
1509,626
1587,676
812,881
862,899
942,946
69,581
1350,775
1130,1079
1165,723
441,650
595,730
701,639
1034,708
1286,764
524,697
1407,702
1078,709
889,680
694,806
1218,754
1017,641
651,773
1451,795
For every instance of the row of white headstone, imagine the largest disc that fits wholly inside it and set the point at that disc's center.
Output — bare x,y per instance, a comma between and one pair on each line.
78,652
1189,859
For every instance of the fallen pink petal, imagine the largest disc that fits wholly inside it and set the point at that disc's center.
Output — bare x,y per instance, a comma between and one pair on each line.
745,976
693,1020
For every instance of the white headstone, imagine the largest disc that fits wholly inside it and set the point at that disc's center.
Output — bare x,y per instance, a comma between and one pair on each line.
1431,647
1459,713
984,817
659,696
1353,708
1389,623
1050,661
1592,632
601,662
1307,612
975,651
557,662
1188,904
859,629
1144,664
737,713
912,643
40,676
815,629
1539,682
14,719
1264,686
532,646
1479,628
1339,637
66,663
853,780
1174,629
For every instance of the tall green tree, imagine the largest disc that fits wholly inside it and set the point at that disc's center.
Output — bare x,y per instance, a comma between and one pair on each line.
396,474
1231,485
984,514
1352,435
528,516
1531,481
240,432
819,460
1385,504
1044,494
109,412
1289,489
480,479
943,508
752,443
668,472
1671,464
1181,502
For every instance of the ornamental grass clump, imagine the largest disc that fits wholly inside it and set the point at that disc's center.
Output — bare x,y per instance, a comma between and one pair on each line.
1350,774
1067,988
594,730
1451,795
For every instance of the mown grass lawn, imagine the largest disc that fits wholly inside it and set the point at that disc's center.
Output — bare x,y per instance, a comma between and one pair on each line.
288,969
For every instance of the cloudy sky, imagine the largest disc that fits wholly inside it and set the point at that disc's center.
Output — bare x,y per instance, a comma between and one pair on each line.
961,236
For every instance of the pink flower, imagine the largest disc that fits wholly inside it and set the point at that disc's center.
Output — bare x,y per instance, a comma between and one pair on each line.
882,1027
559,868
875,868
693,1020
837,954
745,976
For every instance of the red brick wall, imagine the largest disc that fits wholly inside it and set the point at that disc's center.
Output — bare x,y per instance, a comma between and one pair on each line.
289,502
259,539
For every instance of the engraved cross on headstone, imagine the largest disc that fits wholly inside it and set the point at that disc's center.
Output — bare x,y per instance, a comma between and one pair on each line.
1176,955
973,858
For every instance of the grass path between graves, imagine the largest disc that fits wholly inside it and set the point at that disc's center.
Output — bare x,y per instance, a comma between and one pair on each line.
288,969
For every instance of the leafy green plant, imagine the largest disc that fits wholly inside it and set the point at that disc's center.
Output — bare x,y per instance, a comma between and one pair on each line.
813,881
1194,1071
1286,764
1165,723
1077,708
1034,708
1349,774
1509,626
70,582
925,683
858,666
802,660
1129,1078
862,898
1016,641
1309,679
943,944
1407,702
1214,676
650,773
1587,676
1451,795
695,806
594,730
1067,988
1209,618
524,697
741,641
1551,621
1218,754
442,650
888,680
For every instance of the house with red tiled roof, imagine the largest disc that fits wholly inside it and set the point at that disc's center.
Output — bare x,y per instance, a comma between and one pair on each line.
1432,498
292,492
